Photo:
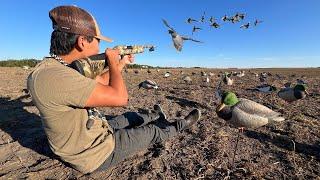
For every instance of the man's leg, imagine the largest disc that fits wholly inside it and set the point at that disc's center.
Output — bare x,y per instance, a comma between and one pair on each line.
130,141
133,119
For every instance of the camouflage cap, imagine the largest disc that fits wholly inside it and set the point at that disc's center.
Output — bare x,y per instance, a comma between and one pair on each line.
75,20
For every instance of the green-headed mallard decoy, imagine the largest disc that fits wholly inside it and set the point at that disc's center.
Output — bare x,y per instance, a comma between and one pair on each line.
291,94
244,113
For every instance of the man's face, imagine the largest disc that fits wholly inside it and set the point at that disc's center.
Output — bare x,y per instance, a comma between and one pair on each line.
92,47
88,48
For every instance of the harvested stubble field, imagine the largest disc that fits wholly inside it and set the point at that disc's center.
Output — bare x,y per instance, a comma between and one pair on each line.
287,150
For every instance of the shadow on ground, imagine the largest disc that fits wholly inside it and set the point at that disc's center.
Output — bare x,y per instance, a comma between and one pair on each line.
23,126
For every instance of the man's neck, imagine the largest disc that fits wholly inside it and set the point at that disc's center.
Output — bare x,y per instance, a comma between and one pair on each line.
72,56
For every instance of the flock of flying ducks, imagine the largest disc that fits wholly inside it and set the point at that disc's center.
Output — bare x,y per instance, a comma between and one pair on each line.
179,39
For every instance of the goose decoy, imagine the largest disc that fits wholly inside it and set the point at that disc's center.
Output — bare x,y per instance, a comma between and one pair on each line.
291,94
240,74
206,79
245,26
176,38
227,80
148,84
187,79
244,113
266,88
167,74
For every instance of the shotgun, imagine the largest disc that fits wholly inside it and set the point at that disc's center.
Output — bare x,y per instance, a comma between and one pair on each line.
94,65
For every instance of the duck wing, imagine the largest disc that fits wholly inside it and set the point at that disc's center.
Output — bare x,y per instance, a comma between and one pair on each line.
254,108
166,23
241,118
187,38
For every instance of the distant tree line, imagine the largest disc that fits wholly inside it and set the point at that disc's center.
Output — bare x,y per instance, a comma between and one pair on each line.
33,63
19,63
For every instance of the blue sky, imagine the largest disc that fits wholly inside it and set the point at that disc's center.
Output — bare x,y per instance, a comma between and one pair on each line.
288,37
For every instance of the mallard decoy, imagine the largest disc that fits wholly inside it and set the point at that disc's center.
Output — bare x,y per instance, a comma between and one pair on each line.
244,113
291,94
148,84
176,38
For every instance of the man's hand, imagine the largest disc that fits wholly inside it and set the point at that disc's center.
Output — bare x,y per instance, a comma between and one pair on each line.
127,59
113,56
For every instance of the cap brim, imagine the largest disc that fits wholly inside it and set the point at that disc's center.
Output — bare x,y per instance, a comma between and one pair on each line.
104,38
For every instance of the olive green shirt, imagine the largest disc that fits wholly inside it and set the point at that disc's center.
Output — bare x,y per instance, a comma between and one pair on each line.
60,94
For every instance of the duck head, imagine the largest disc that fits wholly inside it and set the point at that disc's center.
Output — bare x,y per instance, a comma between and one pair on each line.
300,91
224,110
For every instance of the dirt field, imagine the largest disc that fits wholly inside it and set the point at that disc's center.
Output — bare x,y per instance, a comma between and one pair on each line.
287,150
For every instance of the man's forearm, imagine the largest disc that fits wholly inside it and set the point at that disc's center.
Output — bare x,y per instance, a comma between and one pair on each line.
104,78
116,81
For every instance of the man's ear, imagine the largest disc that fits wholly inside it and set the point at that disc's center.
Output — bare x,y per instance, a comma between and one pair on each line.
80,43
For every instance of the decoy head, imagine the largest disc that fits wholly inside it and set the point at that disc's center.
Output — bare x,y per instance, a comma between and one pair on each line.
300,91
273,88
228,99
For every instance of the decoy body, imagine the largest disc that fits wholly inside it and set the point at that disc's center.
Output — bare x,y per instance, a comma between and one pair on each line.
244,113
266,88
291,94
148,84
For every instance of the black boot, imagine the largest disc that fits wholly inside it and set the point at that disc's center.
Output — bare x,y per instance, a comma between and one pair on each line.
162,122
189,120
157,108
